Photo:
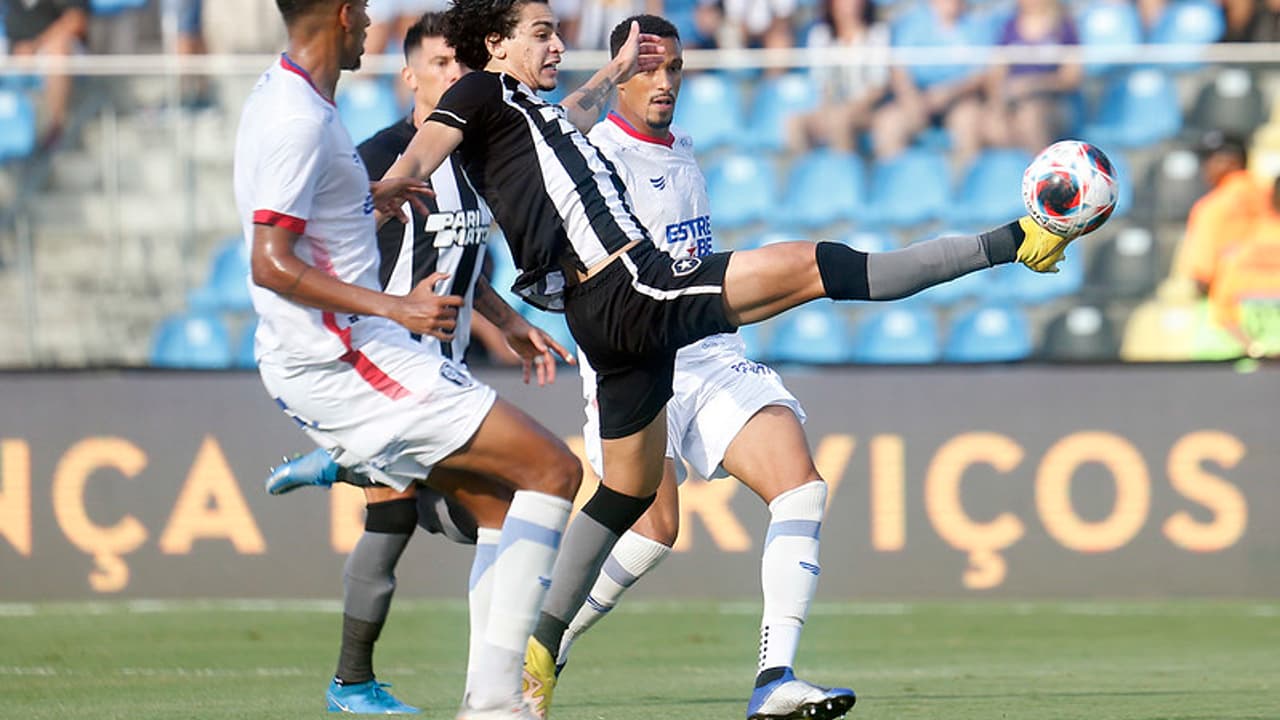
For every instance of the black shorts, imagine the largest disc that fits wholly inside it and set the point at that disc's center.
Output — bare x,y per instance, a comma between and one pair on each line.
441,515
632,317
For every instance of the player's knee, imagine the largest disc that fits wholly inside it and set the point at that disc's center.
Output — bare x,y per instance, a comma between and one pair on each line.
664,528
560,474
806,500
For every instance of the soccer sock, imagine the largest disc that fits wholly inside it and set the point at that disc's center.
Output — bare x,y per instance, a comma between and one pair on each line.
480,595
632,557
525,553
849,274
587,543
369,581
789,572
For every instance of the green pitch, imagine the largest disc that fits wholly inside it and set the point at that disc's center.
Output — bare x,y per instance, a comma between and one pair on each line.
1093,661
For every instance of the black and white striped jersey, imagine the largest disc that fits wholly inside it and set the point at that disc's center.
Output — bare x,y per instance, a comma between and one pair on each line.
451,239
559,202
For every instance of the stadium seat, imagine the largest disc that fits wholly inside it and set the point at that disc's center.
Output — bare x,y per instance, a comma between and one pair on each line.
743,189
870,242
776,99
1125,266
824,187
1136,109
367,106
17,125
194,340
909,189
1188,22
901,334
710,109
1231,102
1080,334
553,323
1174,184
816,333
244,346
227,287
1108,32
111,7
1124,182
1019,284
988,333
1160,331
990,192
770,237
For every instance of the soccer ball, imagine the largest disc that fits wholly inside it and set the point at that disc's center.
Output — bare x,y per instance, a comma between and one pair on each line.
1070,188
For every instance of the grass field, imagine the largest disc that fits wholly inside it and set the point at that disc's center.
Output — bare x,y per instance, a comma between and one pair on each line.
1130,661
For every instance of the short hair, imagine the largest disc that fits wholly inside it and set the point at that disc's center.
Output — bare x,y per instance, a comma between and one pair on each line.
649,24
291,10
468,22
1217,142
428,26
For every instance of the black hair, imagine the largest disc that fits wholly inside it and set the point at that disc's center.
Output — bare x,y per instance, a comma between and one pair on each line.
649,24
291,10
428,26
1217,142
468,22
867,18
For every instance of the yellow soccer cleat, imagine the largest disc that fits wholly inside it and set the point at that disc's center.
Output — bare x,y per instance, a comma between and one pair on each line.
539,678
1041,250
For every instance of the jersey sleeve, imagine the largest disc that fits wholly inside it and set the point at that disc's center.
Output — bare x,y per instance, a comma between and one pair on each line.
468,104
287,172
378,155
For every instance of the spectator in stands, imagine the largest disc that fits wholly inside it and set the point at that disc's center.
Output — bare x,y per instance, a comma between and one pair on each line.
1026,103
847,94
1150,11
1252,273
183,19
1252,20
749,23
924,95
52,28
242,26
593,20
392,19
1225,217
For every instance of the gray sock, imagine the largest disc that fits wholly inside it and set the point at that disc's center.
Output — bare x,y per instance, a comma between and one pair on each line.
899,273
369,579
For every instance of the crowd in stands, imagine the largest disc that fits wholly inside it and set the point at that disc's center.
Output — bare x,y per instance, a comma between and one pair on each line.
868,110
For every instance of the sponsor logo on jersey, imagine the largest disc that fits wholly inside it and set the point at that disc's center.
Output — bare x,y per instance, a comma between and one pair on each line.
464,227
659,183
697,231
684,266
454,374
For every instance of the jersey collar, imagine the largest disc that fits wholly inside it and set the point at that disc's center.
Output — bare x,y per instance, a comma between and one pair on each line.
288,64
630,129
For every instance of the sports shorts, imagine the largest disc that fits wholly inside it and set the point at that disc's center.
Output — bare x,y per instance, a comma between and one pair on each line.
392,414
717,390
632,317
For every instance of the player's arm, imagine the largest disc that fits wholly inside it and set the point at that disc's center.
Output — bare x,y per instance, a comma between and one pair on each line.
430,146
640,53
532,344
276,267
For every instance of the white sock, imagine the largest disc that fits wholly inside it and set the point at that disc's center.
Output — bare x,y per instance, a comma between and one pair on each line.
789,571
521,573
632,557
480,595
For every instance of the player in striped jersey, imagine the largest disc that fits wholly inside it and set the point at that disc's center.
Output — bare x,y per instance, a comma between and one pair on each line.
391,407
568,220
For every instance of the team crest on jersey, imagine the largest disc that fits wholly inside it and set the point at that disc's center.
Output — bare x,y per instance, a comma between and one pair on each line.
454,374
684,266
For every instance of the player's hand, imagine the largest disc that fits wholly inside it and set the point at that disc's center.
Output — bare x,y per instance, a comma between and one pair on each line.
535,348
425,312
390,195
641,52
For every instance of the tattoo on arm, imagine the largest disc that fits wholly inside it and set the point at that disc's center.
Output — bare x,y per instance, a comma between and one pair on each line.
595,96
491,305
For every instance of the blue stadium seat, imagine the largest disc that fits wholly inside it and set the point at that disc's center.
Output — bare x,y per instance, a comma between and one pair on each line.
1019,284
1189,22
870,242
901,334
776,99
244,346
770,237
227,287
909,189
710,109
191,340
989,333
816,333
554,324
366,107
991,191
111,7
824,187
17,125
1105,29
743,189
1136,109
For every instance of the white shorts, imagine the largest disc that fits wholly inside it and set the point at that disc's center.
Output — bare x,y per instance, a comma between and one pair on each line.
392,413
717,391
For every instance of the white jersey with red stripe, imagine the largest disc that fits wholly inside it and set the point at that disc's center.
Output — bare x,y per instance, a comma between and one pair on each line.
297,168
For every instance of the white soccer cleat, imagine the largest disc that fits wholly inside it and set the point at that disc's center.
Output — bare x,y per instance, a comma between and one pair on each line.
516,710
790,699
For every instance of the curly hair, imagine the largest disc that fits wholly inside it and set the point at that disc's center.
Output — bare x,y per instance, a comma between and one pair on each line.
468,22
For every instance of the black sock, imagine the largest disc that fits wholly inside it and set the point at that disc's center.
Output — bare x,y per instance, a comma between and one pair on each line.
767,676
1001,245
355,659
843,271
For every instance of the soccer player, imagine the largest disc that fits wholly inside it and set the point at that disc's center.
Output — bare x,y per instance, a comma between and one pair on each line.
728,414
333,350
568,218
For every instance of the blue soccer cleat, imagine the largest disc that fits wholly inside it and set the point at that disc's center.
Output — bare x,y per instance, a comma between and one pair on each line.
790,699
314,468
366,698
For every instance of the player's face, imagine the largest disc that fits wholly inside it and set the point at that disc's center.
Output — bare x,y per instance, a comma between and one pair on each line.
648,99
532,53
432,68
355,21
